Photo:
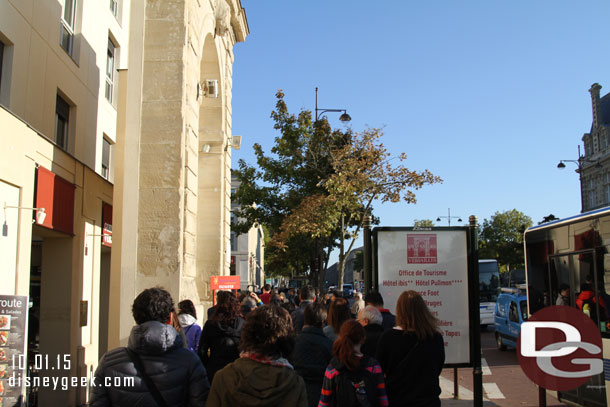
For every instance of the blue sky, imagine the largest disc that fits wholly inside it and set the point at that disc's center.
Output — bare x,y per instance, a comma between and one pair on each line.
489,95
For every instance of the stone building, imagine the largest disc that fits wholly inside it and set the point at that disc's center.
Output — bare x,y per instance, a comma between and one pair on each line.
247,252
595,164
116,119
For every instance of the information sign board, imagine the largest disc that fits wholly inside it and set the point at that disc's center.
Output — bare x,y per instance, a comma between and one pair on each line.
13,335
225,282
433,262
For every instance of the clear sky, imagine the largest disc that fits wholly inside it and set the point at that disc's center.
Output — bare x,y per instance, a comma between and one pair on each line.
489,95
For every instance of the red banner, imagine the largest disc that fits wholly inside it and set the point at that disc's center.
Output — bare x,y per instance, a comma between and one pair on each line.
56,196
225,283
106,225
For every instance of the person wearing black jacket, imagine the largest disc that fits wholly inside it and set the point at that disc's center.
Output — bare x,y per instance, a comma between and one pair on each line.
174,371
307,296
221,336
370,318
312,352
412,354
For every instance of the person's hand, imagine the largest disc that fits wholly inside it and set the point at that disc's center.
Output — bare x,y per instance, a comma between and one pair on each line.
253,295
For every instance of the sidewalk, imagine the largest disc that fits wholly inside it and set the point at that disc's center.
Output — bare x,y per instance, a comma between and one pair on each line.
466,396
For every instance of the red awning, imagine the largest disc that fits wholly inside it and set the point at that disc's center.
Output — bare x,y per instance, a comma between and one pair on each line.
56,196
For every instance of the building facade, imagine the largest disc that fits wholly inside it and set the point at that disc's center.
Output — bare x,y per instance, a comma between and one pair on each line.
247,252
58,115
116,124
595,164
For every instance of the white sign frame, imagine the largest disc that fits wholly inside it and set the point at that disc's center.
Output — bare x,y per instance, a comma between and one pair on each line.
436,263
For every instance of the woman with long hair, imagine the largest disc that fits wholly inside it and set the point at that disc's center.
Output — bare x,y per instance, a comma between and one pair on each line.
262,375
221,336
187,317
412,354
338,313
351,378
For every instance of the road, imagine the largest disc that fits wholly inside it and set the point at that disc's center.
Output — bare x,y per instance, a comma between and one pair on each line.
504,383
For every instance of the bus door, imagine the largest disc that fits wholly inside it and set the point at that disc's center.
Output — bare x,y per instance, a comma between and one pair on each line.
578,271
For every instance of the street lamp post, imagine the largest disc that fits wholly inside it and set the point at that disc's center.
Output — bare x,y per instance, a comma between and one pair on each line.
449,217
344,117
579,163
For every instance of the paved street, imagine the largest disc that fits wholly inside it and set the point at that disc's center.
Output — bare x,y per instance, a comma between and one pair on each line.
504,383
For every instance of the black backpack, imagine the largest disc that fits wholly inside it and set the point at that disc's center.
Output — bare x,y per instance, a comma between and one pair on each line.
592,309
358,389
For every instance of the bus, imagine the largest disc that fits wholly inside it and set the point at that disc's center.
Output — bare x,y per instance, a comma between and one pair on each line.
489,289
573,253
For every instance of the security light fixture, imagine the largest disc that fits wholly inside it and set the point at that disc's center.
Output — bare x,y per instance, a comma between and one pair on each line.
41,215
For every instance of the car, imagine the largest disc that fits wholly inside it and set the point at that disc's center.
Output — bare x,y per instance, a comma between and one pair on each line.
348,290
510,313
332,288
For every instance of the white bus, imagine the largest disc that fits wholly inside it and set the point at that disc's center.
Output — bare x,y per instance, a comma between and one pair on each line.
489,289
573,253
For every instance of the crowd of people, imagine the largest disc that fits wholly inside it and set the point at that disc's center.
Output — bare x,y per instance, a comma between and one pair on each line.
295,348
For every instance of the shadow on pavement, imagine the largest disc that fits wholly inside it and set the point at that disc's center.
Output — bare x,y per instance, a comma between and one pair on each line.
463,403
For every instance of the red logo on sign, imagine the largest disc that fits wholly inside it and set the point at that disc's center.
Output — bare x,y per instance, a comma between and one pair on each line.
421,249
560,348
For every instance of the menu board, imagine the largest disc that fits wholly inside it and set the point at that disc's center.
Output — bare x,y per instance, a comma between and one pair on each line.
433,262
13,334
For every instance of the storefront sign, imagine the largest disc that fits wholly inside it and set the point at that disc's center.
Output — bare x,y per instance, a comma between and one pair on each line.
13,335
434,263
225,283
106,225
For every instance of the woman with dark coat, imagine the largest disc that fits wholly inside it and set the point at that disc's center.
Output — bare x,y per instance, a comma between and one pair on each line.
412,354
312,351
261,376
221,336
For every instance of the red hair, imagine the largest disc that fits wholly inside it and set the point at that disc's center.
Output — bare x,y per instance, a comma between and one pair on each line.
351,334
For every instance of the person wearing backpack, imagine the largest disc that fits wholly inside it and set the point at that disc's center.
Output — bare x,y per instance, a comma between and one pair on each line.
221,336
351,378
412,354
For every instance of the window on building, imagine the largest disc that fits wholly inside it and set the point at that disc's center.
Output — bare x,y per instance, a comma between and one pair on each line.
105,158
603,141
67,26
233,242
110,71
592,194
114,7
62,122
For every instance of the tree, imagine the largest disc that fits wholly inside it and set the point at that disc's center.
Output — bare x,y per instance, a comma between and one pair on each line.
501,238
284,180
317,185
423,223
362,172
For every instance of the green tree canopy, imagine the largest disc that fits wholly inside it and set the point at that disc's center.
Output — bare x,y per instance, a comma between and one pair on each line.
501,238
316,186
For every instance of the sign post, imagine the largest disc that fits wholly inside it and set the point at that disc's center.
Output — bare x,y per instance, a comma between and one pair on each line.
224,283
441,264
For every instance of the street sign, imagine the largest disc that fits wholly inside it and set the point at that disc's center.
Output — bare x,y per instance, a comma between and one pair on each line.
225,283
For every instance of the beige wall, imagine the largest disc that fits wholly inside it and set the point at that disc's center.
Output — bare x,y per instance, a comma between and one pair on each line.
173,200
39,69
